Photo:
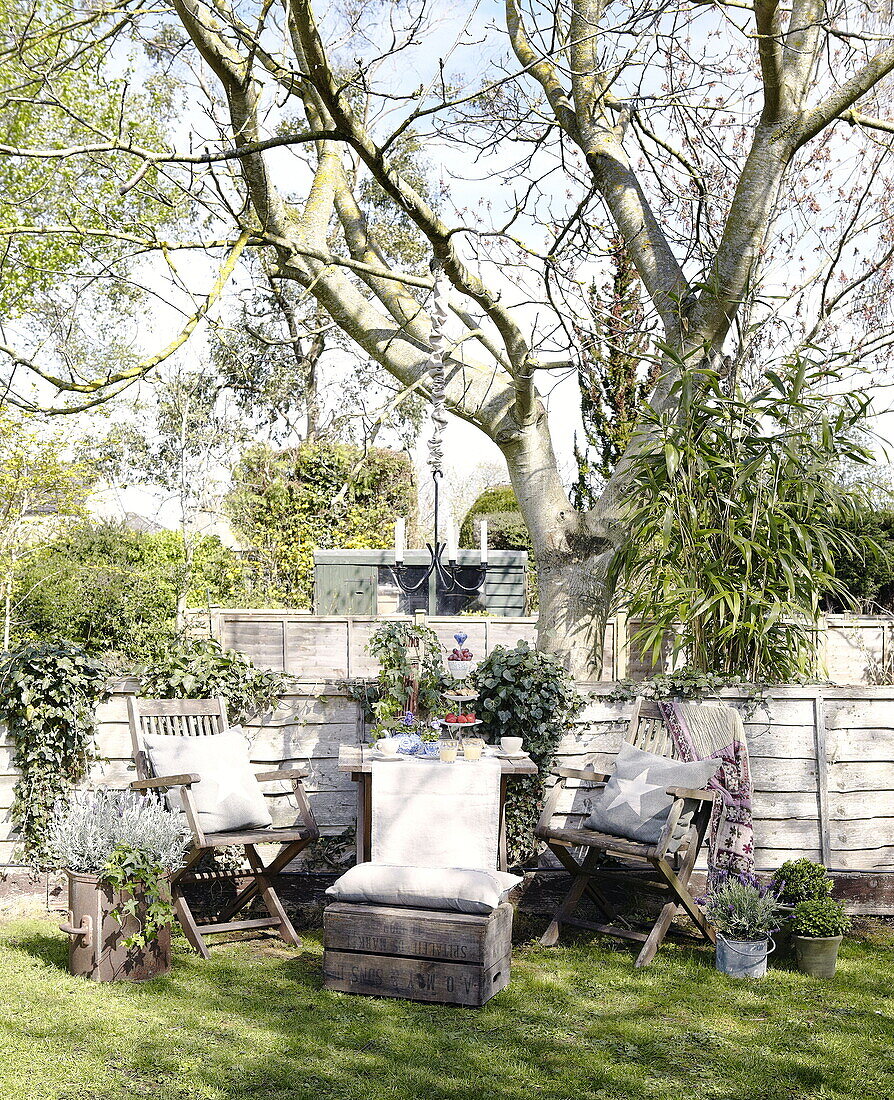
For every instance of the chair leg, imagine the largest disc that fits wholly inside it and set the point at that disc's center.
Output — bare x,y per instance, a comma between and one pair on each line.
582,883
190,928
679,884
681,899
656,936
271,898
181,907
283,857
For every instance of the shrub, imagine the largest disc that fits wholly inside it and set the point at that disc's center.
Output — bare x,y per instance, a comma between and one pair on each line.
743,908
200,668
284,504
528,694
802,880
735,515
113,590
820,918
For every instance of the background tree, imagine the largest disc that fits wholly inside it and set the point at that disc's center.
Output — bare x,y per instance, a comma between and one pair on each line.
716,143
39,489
618,370
72,226
285,504
182,441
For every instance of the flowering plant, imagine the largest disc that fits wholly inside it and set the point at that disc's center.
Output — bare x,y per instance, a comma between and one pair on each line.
428,729
742,907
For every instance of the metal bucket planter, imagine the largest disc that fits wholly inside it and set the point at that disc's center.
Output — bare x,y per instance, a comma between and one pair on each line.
96,949
742,958
817,955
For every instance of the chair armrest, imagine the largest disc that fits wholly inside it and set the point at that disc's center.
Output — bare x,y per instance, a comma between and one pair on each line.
688,792
282,773
580,773
162,781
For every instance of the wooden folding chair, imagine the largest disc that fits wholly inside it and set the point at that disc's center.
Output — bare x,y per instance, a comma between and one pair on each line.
198,718
592,857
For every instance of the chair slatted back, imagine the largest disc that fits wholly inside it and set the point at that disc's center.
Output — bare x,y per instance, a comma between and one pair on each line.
647,730
175,718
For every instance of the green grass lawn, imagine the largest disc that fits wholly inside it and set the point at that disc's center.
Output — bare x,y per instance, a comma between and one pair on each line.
577,1022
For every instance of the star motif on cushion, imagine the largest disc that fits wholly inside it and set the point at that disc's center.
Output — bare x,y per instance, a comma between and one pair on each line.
633,790
231,785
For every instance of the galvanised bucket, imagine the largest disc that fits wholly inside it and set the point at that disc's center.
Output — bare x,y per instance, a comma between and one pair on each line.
742,958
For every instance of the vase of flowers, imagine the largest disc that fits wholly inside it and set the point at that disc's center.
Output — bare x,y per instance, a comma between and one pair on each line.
818,927
744,911
119,851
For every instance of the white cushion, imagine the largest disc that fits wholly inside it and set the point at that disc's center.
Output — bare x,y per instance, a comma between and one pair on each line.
228,795
457,888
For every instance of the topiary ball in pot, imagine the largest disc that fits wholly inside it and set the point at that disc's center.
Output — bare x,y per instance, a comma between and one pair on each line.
798,880
818,926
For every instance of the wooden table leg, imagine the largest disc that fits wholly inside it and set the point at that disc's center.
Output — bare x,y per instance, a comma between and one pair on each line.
364,815
503,850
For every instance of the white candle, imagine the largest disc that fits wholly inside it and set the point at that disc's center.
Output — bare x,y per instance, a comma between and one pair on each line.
452,538
484,542
400,538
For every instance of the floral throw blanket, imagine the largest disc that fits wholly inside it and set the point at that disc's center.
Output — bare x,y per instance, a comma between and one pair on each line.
701,731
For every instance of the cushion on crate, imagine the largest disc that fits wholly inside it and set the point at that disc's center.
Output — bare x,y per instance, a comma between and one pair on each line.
634,802
457,888
228,795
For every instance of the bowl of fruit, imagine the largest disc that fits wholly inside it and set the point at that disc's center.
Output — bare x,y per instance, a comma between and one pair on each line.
460,661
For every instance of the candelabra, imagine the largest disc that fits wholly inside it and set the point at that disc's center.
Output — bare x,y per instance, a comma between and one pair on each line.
447,573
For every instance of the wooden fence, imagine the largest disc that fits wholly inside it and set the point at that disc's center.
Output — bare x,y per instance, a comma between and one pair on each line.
851,650
822,760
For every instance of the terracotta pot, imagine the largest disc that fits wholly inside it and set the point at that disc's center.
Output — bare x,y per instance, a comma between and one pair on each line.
96,949
817,955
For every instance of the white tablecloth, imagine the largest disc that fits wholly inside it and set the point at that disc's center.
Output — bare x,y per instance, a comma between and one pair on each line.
427,813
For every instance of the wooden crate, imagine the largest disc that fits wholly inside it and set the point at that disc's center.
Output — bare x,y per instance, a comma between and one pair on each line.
417,954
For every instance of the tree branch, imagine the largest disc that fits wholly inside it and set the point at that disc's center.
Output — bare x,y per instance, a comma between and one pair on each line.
842,99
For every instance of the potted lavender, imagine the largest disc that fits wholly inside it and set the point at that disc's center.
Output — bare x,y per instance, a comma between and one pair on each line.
744,911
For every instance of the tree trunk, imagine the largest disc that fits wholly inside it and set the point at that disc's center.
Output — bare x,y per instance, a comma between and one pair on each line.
574,605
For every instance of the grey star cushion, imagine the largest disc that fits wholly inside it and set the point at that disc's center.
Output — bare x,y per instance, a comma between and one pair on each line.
634,802
227,796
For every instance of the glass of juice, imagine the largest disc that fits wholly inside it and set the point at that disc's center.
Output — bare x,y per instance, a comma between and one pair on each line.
449,749
472,747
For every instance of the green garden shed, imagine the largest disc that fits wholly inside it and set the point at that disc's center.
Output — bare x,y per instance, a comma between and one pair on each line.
361,583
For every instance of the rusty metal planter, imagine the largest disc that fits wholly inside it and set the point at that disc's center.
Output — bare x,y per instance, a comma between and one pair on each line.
96,949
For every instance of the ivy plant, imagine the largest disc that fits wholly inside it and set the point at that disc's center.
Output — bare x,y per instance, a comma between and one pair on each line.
48,699
395,645
528,694
200,668
144,891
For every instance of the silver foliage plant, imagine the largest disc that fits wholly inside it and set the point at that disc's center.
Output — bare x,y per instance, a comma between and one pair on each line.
88,827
